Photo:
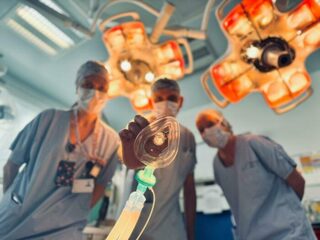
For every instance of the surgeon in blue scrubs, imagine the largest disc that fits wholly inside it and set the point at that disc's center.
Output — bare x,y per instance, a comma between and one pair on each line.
259,180
68,157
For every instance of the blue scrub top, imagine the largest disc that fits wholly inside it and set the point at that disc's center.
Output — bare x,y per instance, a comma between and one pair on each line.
34,207
167,221
263,204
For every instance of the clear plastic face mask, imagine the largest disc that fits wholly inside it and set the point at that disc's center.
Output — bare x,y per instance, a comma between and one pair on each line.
157,145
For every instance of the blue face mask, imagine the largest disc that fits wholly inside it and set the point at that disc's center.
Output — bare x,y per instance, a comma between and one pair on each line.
166,108
216,136
91,100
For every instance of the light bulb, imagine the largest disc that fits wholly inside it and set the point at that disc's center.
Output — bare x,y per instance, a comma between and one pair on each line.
298,81
149,77
252,52
301,17
264,15
266,20
312,37
125,66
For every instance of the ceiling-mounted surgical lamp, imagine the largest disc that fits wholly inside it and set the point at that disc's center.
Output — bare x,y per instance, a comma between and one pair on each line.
266,54
137,59
135,62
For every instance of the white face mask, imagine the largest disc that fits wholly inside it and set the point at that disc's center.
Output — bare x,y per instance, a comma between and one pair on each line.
165,108
91,100
215,136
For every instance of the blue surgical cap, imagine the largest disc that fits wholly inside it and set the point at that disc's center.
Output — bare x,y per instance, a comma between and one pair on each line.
91,68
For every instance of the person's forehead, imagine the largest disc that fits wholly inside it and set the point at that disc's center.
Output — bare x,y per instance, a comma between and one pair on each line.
95,79
166,91
210,116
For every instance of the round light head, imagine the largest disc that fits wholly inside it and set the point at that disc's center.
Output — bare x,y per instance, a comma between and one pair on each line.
149,77
125,65
252,52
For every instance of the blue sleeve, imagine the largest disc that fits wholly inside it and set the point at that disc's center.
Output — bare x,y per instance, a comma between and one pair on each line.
108,170
273,156
23,142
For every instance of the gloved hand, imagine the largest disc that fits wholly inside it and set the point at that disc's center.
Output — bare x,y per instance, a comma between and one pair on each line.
127,137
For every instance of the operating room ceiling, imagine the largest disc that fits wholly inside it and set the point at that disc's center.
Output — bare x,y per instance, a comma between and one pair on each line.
55,75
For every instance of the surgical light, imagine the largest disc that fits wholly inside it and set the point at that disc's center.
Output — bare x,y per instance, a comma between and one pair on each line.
267,54
138,58
142,61
149,77
125,66
252,52
140,99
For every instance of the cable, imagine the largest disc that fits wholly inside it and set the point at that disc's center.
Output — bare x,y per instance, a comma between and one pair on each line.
150,214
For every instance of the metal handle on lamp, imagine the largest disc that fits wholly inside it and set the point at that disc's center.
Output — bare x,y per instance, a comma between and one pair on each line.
206,15
186,45
204,81
294,103
105,22
220,9
114,2
162,21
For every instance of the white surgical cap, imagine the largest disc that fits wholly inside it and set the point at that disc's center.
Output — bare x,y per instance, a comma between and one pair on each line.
88,69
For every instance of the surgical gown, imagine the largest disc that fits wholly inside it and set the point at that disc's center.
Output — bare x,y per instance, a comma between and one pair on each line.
34,207
263,204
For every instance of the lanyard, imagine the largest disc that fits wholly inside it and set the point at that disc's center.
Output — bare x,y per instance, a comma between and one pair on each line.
83,149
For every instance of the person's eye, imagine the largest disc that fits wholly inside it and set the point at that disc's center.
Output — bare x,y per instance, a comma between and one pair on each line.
87,85
158,99
173,98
